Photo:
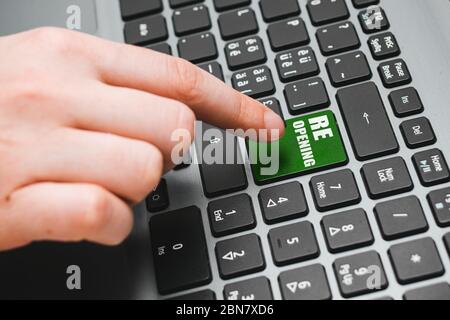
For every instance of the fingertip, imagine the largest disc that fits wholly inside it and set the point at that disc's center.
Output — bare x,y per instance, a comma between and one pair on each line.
274,124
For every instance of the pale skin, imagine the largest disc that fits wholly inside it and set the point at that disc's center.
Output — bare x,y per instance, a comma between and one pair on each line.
85,131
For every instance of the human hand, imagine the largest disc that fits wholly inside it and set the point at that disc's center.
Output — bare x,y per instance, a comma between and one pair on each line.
85,131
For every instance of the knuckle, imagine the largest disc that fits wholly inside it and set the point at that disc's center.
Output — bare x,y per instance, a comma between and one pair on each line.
52,38
188,78
98,213
57,41
33,91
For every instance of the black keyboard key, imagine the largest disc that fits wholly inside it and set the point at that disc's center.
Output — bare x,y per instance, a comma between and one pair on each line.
297,64
364,3
337,38
198,48
447,242
307,95
178,239
367,123
240,256
348,68
406,102
274,10
439,201
401,218
373,20
221,177
431,167
158,200
416,261
205,295
238,23
180,3
383,46
146,30
283,202
245,53
231,215
137,8
293,243
213,68
186,161
440,291
307,283
394,73
222,5
385,298
256,82
335,190
327,11
161,48
253,289
347,231
418,133
386,178
288,34
191,19
360,274
273,104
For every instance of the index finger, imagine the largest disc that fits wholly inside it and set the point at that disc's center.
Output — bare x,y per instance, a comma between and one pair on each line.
211,99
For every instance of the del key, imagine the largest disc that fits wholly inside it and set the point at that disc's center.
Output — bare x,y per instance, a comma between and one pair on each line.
366,120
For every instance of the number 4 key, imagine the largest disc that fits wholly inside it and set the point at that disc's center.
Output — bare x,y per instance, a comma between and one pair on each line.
283,202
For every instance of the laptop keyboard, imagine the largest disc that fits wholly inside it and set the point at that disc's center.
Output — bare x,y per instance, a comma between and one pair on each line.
178,236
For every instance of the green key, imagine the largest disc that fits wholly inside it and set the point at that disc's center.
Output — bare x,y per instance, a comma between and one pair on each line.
311,143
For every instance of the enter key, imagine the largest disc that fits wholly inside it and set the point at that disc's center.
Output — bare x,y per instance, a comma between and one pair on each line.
366,120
